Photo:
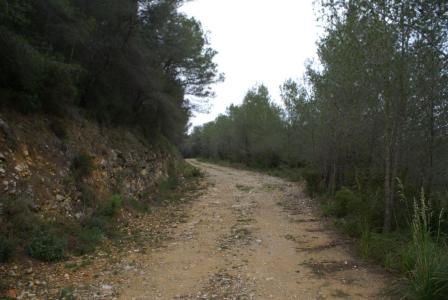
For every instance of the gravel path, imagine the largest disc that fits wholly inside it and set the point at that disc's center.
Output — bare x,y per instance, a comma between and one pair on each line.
252,236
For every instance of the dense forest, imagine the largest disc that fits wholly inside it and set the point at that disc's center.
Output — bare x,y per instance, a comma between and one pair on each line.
367,127
132,63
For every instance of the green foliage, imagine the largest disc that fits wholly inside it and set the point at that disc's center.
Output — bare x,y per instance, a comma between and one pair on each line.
426,260
248,133
18,218
313,181
138,205
82,166
189,171
112,206
85,240
58,128
135,72
345,202
168,184
46,245
88,196
6,249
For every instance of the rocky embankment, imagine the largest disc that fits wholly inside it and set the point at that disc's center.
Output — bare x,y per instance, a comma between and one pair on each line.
35,164
55,175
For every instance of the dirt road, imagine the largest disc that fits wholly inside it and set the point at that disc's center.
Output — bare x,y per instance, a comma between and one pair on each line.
251,236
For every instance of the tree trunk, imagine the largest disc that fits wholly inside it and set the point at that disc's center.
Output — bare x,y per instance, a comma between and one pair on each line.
387,189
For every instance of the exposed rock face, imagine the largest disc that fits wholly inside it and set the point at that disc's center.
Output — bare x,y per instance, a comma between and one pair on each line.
36,165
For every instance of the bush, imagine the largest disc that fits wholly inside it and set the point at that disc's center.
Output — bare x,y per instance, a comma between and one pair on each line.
58,128
169,184
47,246
190,171
85,240
82,165
112,206
97,222
19,220
138,205
313,180
88,196
6,249
345,202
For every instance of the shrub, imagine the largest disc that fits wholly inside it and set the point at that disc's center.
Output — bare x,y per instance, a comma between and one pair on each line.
88,196
138,205
86,240
344,203
169,184
6,249
82,165
58,128
112,206
19,220
313,180
97,222
426,259
47,246
190,171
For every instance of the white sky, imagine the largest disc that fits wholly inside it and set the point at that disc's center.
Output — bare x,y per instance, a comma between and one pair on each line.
259,41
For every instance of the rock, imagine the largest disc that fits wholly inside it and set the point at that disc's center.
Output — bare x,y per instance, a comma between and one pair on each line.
34,207
11,294
66,276
128,268
20,168
144,172
10,137
2,171
60,198
29,271
106,287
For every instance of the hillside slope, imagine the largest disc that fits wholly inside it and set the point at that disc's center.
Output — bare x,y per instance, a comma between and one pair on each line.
37,166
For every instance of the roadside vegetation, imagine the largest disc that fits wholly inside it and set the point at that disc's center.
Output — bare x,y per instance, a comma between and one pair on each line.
23,231
123,63
366,129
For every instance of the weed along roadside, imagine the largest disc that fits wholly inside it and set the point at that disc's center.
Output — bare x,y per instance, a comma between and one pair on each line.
73,258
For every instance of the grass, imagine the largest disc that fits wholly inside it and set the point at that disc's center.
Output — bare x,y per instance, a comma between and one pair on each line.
179,180
426,259
418,252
